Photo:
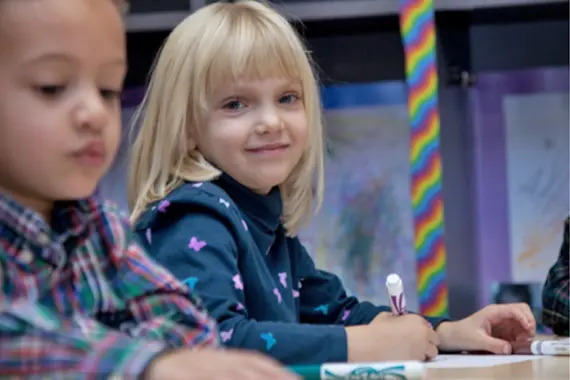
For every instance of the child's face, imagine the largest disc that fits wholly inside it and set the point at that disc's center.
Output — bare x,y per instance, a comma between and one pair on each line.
62,65
256,131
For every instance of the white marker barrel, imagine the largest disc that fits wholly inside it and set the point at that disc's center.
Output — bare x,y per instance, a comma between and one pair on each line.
396,293
408,370
550,347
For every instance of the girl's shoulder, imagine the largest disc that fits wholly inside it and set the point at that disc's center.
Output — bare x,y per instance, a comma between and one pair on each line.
190,197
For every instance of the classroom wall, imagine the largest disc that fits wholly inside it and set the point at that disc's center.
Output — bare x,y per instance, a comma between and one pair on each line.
496,48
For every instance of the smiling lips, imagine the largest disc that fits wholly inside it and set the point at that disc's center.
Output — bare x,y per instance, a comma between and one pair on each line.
274,148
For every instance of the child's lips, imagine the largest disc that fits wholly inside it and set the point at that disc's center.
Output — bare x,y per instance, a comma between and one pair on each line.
92,154
269,150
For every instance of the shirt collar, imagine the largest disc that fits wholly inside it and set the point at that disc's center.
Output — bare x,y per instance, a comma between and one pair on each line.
69,217
264,209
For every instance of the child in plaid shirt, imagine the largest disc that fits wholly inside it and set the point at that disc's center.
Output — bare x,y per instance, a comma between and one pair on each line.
556,293
79,298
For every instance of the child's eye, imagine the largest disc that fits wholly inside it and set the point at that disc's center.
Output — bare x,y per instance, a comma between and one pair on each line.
234,105
289,98
110,94
50,90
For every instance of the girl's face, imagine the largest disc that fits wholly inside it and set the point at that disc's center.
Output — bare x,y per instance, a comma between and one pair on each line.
256,132
62,64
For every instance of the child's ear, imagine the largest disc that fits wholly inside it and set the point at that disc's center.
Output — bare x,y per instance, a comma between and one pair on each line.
191,144
123,5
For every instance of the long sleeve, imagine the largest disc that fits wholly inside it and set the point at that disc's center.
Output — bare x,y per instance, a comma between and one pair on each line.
35,343
324,299
161,307
556,293
200,249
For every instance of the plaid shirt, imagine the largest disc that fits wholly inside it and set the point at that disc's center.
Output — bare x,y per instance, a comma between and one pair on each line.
555,294
81,300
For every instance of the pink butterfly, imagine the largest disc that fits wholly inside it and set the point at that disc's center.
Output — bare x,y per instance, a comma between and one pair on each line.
278,295
283,279
196,244
163,205
226,335
345,315
296,293
237,282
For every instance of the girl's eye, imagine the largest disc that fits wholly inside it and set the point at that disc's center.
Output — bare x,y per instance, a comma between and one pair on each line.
234,105
290,98
50,90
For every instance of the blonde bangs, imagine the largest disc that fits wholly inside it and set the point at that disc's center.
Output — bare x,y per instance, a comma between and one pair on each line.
249,47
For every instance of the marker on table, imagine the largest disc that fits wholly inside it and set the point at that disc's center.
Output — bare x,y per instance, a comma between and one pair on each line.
550,347
396,292
406,370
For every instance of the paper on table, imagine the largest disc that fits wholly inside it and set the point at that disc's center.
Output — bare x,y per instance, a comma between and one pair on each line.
474,361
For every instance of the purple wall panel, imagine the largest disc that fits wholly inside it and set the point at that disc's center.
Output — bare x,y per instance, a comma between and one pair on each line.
490,171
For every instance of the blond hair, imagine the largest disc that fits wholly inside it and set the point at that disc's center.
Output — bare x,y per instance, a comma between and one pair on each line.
216,45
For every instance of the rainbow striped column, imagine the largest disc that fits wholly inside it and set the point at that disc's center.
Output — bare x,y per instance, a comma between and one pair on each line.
418,35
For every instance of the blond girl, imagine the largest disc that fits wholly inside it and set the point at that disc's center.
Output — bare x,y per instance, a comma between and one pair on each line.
227,167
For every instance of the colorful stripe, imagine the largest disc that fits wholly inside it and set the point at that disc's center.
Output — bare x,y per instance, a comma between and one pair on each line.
418,36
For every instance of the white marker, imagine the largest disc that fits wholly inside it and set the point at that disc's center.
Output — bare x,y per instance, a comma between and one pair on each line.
396,292
550,347
407,370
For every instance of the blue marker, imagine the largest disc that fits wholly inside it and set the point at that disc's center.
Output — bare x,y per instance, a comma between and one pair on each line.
407,370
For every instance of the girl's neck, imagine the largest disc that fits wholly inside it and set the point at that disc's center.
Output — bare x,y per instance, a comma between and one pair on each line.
267,207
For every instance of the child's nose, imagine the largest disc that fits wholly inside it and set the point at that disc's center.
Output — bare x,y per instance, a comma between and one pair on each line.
270,122
91,113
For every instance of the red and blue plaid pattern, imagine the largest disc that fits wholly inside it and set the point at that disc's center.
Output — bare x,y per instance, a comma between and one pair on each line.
81,300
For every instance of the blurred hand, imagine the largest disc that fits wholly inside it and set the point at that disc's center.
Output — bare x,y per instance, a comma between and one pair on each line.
212,364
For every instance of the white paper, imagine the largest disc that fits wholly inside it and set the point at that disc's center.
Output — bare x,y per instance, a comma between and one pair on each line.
537,180
475,361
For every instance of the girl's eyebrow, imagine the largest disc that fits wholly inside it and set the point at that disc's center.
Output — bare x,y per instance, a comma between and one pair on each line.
252,84
243,87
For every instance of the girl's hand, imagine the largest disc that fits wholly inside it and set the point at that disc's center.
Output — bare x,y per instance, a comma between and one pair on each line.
495,328
388,338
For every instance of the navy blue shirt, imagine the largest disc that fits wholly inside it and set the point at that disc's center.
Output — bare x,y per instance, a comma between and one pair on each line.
228,244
